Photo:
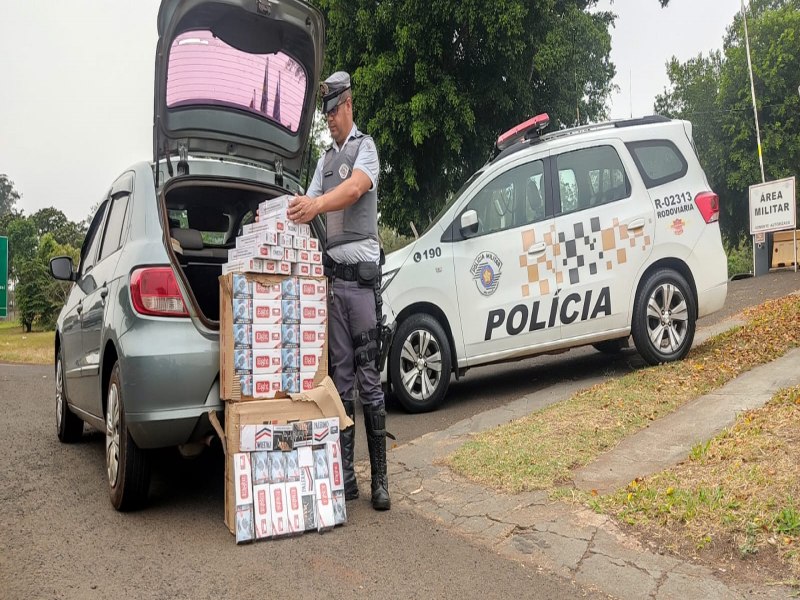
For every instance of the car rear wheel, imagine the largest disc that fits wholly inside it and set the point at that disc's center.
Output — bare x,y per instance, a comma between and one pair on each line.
664,317
127,466
420,363
69,426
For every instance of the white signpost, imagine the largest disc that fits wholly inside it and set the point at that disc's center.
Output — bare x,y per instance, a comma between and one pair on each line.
773,208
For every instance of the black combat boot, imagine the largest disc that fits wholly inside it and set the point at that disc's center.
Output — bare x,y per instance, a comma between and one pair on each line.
375,421
348,439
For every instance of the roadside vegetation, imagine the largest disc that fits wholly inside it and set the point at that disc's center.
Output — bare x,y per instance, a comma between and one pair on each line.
541,450
19,346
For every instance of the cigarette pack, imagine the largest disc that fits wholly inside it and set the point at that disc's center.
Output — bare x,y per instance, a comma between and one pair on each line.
246,384
244,524
284,268
241,287
290,255
301,269
312,336
324,502
290,335
266,291
304,229
339,510
262,515
303,256
242,335
290,382
242,310
335,465
317,270
294,508
306,381
313,244
313,290
290,289
291,310
321,470
271,252
305,459
266,386
299,242
326,430
309,511
282,436
242,476
260,461
264,437
280,526
302,435
313,313
247,438
242,360
310,359
316,257
267,337
290,358
286,240
292,465
267,362
277,466
267,312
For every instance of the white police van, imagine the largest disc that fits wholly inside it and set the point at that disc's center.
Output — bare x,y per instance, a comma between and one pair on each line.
581,236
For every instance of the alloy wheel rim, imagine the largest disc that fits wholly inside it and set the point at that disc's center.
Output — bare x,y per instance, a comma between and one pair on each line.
59,394
112,435
420,364
667,318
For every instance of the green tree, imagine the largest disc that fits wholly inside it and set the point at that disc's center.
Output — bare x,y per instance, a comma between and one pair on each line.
22,243
55,291
31,292
51,220
437,82
8,195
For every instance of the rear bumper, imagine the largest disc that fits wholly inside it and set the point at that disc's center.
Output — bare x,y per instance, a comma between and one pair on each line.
711,299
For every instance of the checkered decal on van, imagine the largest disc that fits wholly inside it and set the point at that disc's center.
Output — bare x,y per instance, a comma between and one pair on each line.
579,253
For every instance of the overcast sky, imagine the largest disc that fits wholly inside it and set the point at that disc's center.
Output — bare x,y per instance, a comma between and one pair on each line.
76,105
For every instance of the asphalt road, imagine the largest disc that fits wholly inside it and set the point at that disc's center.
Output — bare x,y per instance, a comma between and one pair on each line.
62,539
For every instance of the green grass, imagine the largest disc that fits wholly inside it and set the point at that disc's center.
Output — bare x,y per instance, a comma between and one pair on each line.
16,346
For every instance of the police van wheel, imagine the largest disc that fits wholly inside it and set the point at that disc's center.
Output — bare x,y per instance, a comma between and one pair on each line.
664,316
420,364
127,466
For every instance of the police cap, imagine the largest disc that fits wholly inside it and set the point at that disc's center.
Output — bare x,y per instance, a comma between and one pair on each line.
333,87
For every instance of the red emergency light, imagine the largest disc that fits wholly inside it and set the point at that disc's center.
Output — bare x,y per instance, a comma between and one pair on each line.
515,134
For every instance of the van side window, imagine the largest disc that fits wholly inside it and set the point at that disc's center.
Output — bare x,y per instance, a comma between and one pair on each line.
112,241
92,240
590,177
658,161
512,199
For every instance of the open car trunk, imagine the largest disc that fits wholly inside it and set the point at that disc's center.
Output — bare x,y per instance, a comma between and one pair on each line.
202,220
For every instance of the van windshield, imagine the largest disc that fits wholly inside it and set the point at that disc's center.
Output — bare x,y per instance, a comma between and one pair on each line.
451,201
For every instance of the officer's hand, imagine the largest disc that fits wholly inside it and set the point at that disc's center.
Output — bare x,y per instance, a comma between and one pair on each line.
302,209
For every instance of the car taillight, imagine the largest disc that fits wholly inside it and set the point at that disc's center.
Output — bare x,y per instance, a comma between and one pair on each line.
708,205
155,291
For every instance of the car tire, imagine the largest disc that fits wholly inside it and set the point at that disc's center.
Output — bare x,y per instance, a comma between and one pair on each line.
127,466
69,426
664,317
611,346
420,363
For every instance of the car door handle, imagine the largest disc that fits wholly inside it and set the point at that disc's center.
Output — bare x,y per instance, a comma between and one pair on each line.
636,224
79,308
104,293
537,248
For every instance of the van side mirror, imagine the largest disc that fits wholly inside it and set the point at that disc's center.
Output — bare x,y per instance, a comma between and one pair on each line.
61,268
469,223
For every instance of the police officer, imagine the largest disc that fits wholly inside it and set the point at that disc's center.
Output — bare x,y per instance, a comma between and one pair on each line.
345,188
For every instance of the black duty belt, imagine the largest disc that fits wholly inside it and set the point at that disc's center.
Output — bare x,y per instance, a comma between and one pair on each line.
340,271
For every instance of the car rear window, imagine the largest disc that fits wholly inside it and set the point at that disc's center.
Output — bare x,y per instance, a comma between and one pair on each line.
205,70
658,161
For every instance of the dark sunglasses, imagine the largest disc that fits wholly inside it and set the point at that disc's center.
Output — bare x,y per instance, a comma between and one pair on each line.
335,110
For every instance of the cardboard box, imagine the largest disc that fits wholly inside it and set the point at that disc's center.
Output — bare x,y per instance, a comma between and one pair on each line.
267,337
242,476
324,505
280,524
260,462
267,361
262,513
294,508
313,313
244,524
335,465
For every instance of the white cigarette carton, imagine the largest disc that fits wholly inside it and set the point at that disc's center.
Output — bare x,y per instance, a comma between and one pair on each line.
286,240
235,266
259,227
242,310
260,461
267,312
294,506
275,205
326,430
277,466
282,225
322,493
282,436
242,335
284,268
310,359
247,438
267,362
335,465
309,511
292,466
306,381
242,360
290,358
300,243
242,477
280,525
313,244
262,515
241,287
246,384
313,290
264,437
291,310
339,510
251,265
290,335
267,337
290,255
306,478
301,269
244,524
255,252
302,434
321,470
290,288
316,257
304,229
263,237
317,270
313,313
266,386
266,291
290,382
303,256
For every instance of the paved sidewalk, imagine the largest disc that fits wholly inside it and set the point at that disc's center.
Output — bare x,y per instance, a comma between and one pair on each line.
571,541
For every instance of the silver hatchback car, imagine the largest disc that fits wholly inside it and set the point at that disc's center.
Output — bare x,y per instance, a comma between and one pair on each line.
136,343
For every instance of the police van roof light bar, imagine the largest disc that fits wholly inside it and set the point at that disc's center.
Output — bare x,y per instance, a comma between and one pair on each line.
513,135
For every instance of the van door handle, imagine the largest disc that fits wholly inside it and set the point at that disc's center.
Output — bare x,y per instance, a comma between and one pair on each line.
537,248
636,224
